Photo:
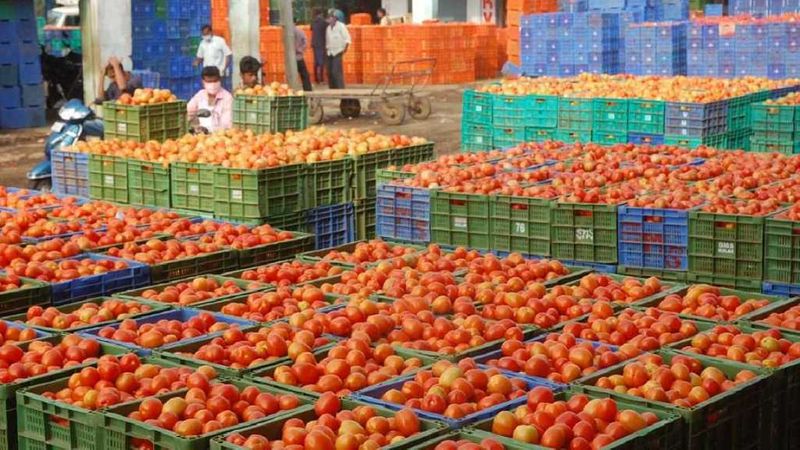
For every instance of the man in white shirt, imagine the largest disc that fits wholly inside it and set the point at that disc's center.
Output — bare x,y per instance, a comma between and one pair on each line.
337,40
213,51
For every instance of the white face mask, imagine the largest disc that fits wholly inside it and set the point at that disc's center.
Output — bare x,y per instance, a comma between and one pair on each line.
207,38
212,88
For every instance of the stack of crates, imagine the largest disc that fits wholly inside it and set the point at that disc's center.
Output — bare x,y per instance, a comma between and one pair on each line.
567,44
695,124
644,10
763,7
657,48
776,128
266,114
166,35
22,99
476,121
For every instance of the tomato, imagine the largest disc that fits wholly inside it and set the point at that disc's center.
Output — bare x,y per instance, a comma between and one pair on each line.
328,403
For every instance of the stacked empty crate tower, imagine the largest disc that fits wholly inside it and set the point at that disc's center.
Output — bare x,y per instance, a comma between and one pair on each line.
166,34
655,48
22,100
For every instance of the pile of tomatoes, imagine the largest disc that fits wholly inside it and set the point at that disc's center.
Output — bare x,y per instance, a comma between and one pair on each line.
42,357
162,332
198,290
273,305
86,314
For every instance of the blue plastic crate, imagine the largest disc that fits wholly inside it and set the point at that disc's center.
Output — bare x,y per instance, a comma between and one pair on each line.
182,315
32,95
785,290
30,72
28,117
333,225
143,10
645,139
607,268
403,213
9,75
136,275
70,173
10,97
373,394
653,238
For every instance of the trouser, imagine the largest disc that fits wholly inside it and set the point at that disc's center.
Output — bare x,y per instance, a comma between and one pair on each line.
335,71
302,70
94,127
319,65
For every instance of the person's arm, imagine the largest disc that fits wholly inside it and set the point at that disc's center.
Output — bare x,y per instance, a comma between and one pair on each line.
119,74
199,56
101,92
226,51
226,115
346,36
193,105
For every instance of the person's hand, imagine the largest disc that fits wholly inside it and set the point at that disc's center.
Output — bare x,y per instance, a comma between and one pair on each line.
114,61
195,63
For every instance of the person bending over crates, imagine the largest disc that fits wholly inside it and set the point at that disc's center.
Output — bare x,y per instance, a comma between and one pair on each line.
213,98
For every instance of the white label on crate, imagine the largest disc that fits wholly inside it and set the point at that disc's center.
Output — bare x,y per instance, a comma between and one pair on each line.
479,139
519,227
478,108
648,118
122,127
108,179
684,123
582,234
612,116
194,189
460,222
726,248
236,195
252,117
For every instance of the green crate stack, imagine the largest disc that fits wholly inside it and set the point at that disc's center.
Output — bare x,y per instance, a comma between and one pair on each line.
646,116
460,219
584,232
726,250
108,178
611,115
30,293
739,140
782,249
364,171
148,183
477,107
476,137
738,418
265,114
192,186
365,218
328,183
716,141
776,128
519,224
542,112
156,122
255,194
575,114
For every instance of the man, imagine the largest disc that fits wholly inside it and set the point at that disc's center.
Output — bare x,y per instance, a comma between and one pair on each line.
337,40
300,45
122,82
214,98
318,30
213,51
248,71
383,19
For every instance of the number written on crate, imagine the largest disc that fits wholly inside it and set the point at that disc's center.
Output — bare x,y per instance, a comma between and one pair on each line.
236,194
726,248
519,227
109,180
583,234
122,128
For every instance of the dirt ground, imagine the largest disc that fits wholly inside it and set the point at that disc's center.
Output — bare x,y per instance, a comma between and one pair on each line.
20,150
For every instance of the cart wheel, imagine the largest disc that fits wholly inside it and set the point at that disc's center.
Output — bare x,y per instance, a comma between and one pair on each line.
392,114
350,108
316,113
419,107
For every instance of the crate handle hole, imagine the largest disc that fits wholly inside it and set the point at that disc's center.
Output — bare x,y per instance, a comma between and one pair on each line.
192,170
728,225
653,219
519,206
458,202
583,213
59,421
404,195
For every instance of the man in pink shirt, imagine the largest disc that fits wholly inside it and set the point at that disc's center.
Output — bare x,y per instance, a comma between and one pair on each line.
214,98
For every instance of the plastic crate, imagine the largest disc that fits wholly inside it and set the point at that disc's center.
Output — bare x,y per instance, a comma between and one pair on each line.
696,120
610,115
333,225
782,250
135,275
609,137
477,107
570,136
148,184
666,434
373,395
653,238
506,137
575,114
255,194
156,122
386,176
509,110
770,117
584,232
519,224
542,111
786,290
476,137
221,261
30,293
365,219
726,250
192,186
459,219
737,418
645,139
265,114
278,251
761,145
108,178
539,134
247,287
70,172
328,182
403,213
646,272
717,141
411,154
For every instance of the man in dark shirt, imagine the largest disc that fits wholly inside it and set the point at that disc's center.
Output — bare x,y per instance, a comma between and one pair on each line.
121,81
318,27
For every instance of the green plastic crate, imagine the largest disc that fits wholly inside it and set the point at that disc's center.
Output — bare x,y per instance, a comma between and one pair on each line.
156,122
477,107
509,110
31,293
292,222
277,251
148,184
108,178
773,308
666,434
192,186
726,249
459,219
610,114
365,218
739,140
646,272
465,434
782,250
570,136
519,224
328,183
771,136
273,428
258,193
248,287
584,232
412,154
364,172
506,137
716,141
121,432
761,145
743,295
533,134
738,418
575,114
542,111
215,262
646,116
770,117
264,114
476,137
385,176
609,137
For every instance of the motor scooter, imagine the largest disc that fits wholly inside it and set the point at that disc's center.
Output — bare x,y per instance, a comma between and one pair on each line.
68,129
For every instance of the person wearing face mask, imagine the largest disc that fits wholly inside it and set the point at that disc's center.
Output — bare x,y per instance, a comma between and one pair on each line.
213,51
214,98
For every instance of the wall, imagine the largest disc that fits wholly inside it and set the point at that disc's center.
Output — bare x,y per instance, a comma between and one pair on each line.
108,32
244,25
395,8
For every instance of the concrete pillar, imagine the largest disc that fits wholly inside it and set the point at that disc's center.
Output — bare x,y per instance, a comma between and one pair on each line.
244,26
106,31
424,10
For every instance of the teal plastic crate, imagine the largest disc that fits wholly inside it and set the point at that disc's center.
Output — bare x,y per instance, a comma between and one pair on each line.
646,116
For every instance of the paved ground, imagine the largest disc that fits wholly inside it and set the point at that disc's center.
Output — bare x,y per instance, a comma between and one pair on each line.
22,149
